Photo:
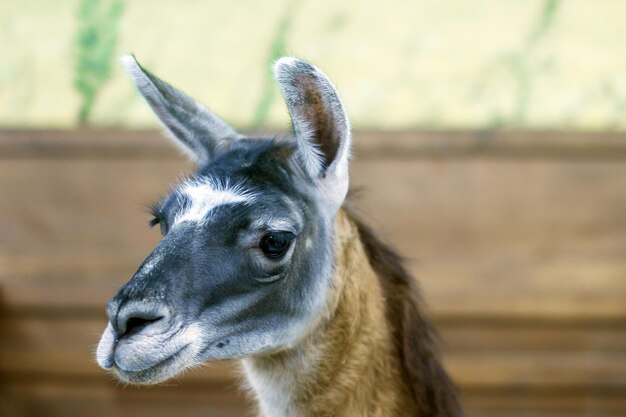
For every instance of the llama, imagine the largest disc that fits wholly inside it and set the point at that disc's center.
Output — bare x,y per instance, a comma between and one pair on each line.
262,260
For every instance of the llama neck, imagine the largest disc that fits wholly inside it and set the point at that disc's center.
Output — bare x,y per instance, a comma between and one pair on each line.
348,365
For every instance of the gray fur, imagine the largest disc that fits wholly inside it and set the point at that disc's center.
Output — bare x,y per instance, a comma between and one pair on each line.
191,125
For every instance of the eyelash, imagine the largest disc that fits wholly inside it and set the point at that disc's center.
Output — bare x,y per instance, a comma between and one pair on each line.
153,222
157,216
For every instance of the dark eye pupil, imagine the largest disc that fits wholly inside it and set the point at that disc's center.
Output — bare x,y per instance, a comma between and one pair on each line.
275,244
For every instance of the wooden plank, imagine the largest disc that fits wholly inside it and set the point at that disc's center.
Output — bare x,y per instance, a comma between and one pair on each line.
54,346
62,397
517,239
579,370
37,335
222,392
550,402
500,144
50,397
55,205
542,413
137,144
513,237
65,346
84,144
486,369
453,290
556,336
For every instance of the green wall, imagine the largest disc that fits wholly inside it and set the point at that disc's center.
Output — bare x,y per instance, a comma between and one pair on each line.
398,64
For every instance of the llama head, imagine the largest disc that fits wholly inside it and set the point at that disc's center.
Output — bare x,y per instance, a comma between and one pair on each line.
245,264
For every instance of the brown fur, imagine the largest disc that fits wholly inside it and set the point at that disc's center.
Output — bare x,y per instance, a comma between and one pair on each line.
314,108
414,336
374,354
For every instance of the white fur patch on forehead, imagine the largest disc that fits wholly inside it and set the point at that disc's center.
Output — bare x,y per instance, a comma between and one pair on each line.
203,196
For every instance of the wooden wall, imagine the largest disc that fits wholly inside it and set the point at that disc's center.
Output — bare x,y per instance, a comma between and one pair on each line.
518,240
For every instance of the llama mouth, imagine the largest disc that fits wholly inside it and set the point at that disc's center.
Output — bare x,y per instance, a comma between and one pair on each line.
159,371
149,359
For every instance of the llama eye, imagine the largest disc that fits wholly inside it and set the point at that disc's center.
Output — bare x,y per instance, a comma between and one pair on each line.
275,244
154,221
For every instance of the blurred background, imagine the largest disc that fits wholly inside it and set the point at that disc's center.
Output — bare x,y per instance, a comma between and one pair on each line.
490,144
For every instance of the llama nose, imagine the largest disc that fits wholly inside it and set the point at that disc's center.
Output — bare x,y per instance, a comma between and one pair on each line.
134,317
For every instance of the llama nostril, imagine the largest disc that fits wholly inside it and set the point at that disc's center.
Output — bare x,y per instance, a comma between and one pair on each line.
133,318
135,324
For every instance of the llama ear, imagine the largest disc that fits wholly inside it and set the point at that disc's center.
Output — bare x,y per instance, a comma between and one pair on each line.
319,121
192,126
